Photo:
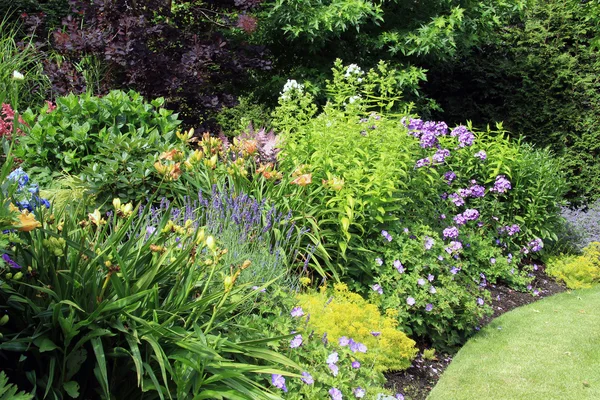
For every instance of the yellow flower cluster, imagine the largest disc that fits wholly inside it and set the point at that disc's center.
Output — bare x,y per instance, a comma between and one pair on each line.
341,312
577,271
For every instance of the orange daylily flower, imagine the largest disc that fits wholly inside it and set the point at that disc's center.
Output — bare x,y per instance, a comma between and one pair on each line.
302,180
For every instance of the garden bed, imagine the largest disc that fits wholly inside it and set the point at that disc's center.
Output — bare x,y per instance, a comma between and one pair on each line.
417,381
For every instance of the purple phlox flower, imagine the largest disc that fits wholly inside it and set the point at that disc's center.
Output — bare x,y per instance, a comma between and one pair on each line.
334,369
430,278
386,235
441,129
307,378
509,258
464,192
355,364
421,282
335,394
263,290
422,162
410,301
480,301
480,224
459,219
406,230
296,342
333,358
359,392
399,267
11,263
357,347
429,242
529,287
375,334
454,270
432,290
379,261
477,191
377,287
456,200
453,247
428,140
343,341
440,155
482,155
501,185
470,214
450,233
429,307
449,177
399,396
297,312
415,124
536,292
444,196
279,382
465,137
442,216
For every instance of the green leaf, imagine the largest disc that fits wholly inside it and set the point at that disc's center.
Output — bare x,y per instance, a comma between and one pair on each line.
72,389
45,344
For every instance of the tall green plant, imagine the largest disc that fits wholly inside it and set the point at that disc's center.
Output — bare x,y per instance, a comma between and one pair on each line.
22,81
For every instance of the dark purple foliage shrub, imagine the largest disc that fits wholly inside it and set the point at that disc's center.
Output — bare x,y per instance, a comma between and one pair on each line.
195,56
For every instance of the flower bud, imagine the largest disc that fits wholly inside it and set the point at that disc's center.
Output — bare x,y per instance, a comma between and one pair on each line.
4,320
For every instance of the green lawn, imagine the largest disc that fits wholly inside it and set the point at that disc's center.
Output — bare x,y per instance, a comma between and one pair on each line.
546,350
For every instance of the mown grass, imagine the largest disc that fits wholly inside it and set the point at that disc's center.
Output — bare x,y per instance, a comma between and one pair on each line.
546,350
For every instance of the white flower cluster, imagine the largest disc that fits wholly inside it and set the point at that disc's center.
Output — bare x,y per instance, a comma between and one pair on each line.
353,98
354,69
291,85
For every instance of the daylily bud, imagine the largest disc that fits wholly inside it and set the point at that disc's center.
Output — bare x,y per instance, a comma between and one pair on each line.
210,243
117,204
4,320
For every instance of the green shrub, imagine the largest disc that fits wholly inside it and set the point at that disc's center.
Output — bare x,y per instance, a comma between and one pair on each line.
110,142
577,272
538,75
126,305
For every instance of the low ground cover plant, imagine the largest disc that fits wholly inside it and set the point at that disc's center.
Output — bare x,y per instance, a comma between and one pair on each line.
577,271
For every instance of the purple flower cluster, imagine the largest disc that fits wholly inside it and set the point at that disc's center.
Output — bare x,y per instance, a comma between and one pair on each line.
429,242
449,177
510,230
440,155
482,155
423,162
457,199
502,185
450,232
534,246
399,267
427,132
386,235
454,247
465,137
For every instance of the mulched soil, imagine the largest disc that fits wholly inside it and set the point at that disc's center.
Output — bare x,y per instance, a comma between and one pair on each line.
417,381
